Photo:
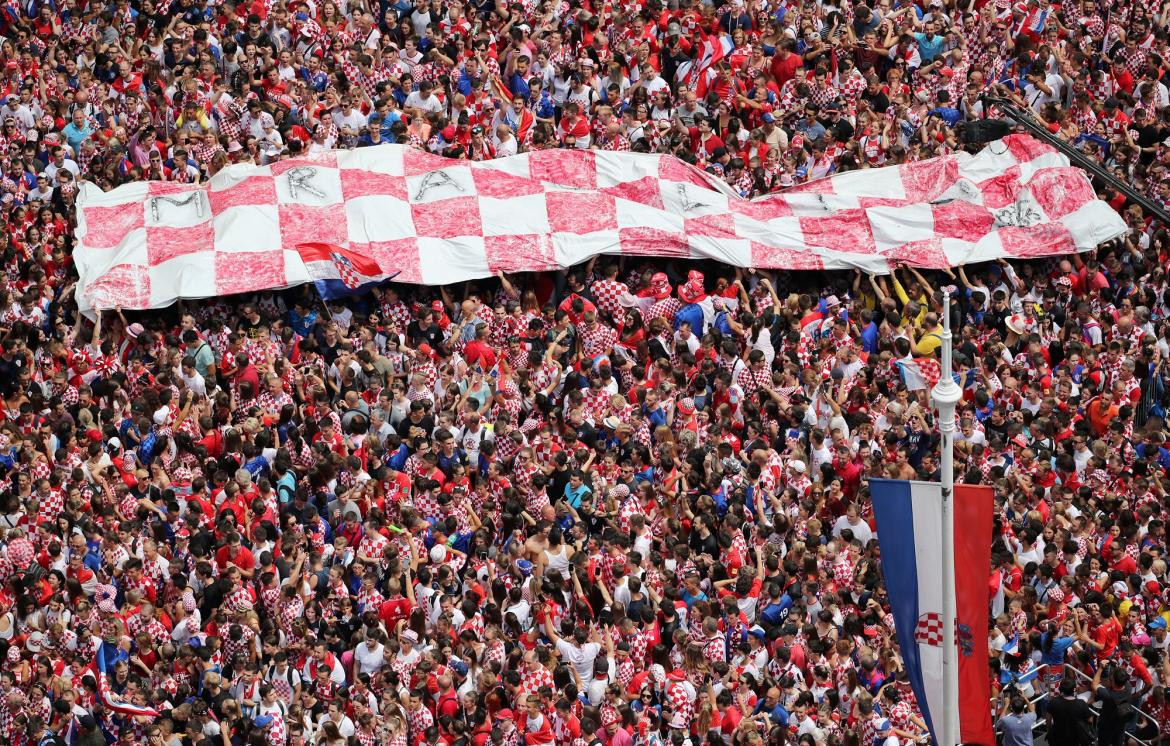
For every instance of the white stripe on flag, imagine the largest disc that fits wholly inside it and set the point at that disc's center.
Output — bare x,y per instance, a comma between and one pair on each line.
911,375
927,501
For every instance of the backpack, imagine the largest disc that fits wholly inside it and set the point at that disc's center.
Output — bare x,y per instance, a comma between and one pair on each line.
285,492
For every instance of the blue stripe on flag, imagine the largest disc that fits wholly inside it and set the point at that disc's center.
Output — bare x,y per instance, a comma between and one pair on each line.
333,289
893,509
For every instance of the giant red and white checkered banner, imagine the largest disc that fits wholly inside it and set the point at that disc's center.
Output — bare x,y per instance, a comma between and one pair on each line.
437,221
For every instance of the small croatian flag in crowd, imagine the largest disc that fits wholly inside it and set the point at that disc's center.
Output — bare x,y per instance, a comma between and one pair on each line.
107,658
909,524
337,271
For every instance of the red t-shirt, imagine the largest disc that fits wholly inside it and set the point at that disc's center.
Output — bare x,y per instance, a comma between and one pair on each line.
243,559
784,70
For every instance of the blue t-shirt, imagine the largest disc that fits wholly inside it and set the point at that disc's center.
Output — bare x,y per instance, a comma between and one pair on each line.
778,714
692,313
949,115
690,600
869,338
776,613
1055,656
575,496
928,49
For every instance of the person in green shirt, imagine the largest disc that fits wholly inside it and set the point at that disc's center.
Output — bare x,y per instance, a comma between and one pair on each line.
203,354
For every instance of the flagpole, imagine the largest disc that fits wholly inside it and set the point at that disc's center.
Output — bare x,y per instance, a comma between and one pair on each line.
946,395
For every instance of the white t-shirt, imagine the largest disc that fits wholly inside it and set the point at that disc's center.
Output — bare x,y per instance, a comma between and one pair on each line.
581,658
430,104
344,727
654,86
355,120
1038,99
862,532
505,148
369,659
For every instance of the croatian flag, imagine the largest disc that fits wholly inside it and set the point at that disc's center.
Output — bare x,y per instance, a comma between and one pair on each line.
909,518
711,50
1013,646
338,271
107,657
918,373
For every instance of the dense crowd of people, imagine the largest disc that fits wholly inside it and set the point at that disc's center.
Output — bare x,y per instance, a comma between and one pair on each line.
623,505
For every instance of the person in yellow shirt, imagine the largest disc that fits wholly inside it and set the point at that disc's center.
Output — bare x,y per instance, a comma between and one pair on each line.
931,338
920,291
914,303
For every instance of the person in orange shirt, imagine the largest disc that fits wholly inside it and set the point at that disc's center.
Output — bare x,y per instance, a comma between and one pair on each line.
1100,412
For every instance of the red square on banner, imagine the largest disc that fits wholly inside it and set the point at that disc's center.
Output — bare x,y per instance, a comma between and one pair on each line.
715,225
447,218
672,169
1045,239
928,253
400,255
572,168
926,180
415,162
520,253
254,190
866,203
1000,191
123,284
167,243
580,212
245,271
846,231
654,242
105,227
960,219
771,257
307,224
492,182
764,209
1061,191
646,191
1026,148
356,182
166,188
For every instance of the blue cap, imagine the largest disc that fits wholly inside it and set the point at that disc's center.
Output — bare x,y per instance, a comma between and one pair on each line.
263,721
524,566
883,725
768,117
1158,623
459,667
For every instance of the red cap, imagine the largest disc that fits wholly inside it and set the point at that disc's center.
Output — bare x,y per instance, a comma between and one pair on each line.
1153,587
505,714
437,306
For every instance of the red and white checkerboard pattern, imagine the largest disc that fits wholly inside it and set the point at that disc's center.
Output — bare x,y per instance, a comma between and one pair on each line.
349,276
929,630
438,221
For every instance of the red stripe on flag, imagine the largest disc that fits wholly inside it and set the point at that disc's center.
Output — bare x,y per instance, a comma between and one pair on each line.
323,252
974,505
